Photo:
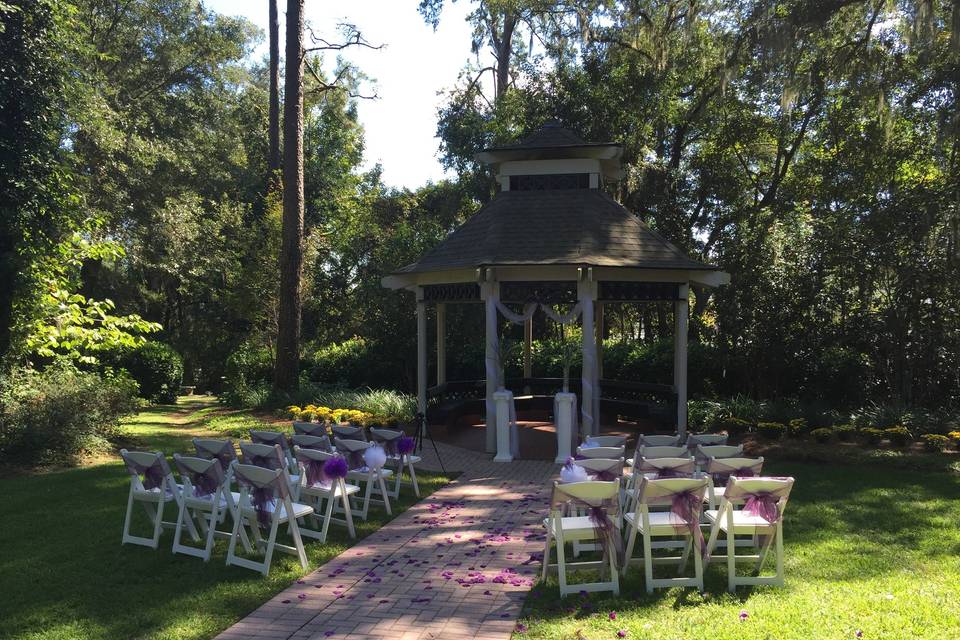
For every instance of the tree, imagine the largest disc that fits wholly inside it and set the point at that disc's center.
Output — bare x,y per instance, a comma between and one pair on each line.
274,135
287,368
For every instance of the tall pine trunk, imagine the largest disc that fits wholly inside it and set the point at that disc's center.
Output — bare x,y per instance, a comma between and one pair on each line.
286,369
274,90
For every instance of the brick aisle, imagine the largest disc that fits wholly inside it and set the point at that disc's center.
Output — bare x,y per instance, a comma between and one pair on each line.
456,565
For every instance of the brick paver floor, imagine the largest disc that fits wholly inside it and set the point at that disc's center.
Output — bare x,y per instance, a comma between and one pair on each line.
456,565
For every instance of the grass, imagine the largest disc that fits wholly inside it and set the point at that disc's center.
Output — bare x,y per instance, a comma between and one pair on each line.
867,548
65,575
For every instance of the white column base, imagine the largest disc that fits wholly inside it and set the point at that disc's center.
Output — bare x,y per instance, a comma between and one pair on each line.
564,418
502,400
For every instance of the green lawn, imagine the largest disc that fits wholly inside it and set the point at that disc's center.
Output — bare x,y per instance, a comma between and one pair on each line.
867,549
64,573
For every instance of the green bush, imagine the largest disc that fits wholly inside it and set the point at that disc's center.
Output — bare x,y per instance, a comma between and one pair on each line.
736,426
935,442
157,368
898,436
822,435
347,363
237,426
797,427
845,432
771,430
56,415
247,375
872,435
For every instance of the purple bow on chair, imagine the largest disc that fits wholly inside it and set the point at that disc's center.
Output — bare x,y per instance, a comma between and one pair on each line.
720,471
686,505
153,474
262,495
673,472
599,514
207,482
315,473
388,442
763,504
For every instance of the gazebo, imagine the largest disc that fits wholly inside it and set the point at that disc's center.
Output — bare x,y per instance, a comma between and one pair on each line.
552,235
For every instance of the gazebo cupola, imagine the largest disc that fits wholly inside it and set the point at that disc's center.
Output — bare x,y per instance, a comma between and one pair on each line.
551,235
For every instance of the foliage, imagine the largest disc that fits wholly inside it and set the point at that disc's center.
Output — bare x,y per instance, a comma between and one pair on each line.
250,365
797,427
157,368
346,363
822,435
935,442
61,413
845,432
236,426
899,436
872,435
771,430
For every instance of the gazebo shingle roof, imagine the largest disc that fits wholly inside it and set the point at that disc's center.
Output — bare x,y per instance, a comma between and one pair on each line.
551,136
554,227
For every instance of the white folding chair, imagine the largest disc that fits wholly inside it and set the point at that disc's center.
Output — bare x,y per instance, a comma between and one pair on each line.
665,440
279,439
316,487
270,507
374,477
206,495
703,453
657,468
719,470
392,442
304,441
348,432
694,440
605,441
562,529
656,451
152,485
600,452
764,501
685,494
310,428
270,457
604,470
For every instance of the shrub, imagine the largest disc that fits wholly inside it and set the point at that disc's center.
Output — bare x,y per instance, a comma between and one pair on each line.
736,426
237,425
822,435
935,442
348,363
247,375
797,427
899,436
872,435
955,436
771,430
56,415
157,368
845,432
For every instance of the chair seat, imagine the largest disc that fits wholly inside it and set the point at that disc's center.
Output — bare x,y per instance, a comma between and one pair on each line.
206,502
154,495
319,489
742,522
363,472
579,527
299,510
660,522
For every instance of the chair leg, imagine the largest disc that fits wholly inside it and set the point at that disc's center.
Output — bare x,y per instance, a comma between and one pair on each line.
731,561
685,556
271,543
561,566
413,479
628,552
648,561
211,531
327,515
386,497
158,524
546,555
126,518
298,543
347,511
698,566
779,558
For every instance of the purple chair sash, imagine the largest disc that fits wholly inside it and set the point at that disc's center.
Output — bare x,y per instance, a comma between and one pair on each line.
686,504
673,472
152,476
764,504
387,441
261,495
406,445
205,483
600,516
721,472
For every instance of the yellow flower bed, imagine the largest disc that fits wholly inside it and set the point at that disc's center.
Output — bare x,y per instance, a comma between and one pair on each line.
311,413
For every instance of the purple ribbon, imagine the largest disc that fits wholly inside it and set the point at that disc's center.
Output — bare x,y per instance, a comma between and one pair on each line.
599,515
206,483
673,472
315,473
763,504
273,492
153,474
686,505
405,445
389,443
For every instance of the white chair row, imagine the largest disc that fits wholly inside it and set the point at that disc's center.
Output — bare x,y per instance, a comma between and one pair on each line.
667,513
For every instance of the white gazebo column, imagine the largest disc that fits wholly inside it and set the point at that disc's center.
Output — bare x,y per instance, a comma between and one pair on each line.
586,293
681,310
598,373
421,354
441,343
490,292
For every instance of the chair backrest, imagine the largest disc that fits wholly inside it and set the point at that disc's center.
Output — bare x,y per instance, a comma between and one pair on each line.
263,455
268,486
270,437
605,469
311,442
352,450
663,490
764,496
666,467
593,492
720,469
310,428
387,438
662,451
694,440
201,477
349,432
604,441
705,452
211,448
600,452
148,470
659,440
312,463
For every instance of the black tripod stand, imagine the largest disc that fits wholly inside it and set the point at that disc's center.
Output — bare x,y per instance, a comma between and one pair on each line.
423,427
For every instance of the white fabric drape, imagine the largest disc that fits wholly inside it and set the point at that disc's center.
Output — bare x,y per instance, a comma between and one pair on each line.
567,318
528,310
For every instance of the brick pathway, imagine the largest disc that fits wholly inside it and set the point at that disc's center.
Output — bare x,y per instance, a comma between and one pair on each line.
456,565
